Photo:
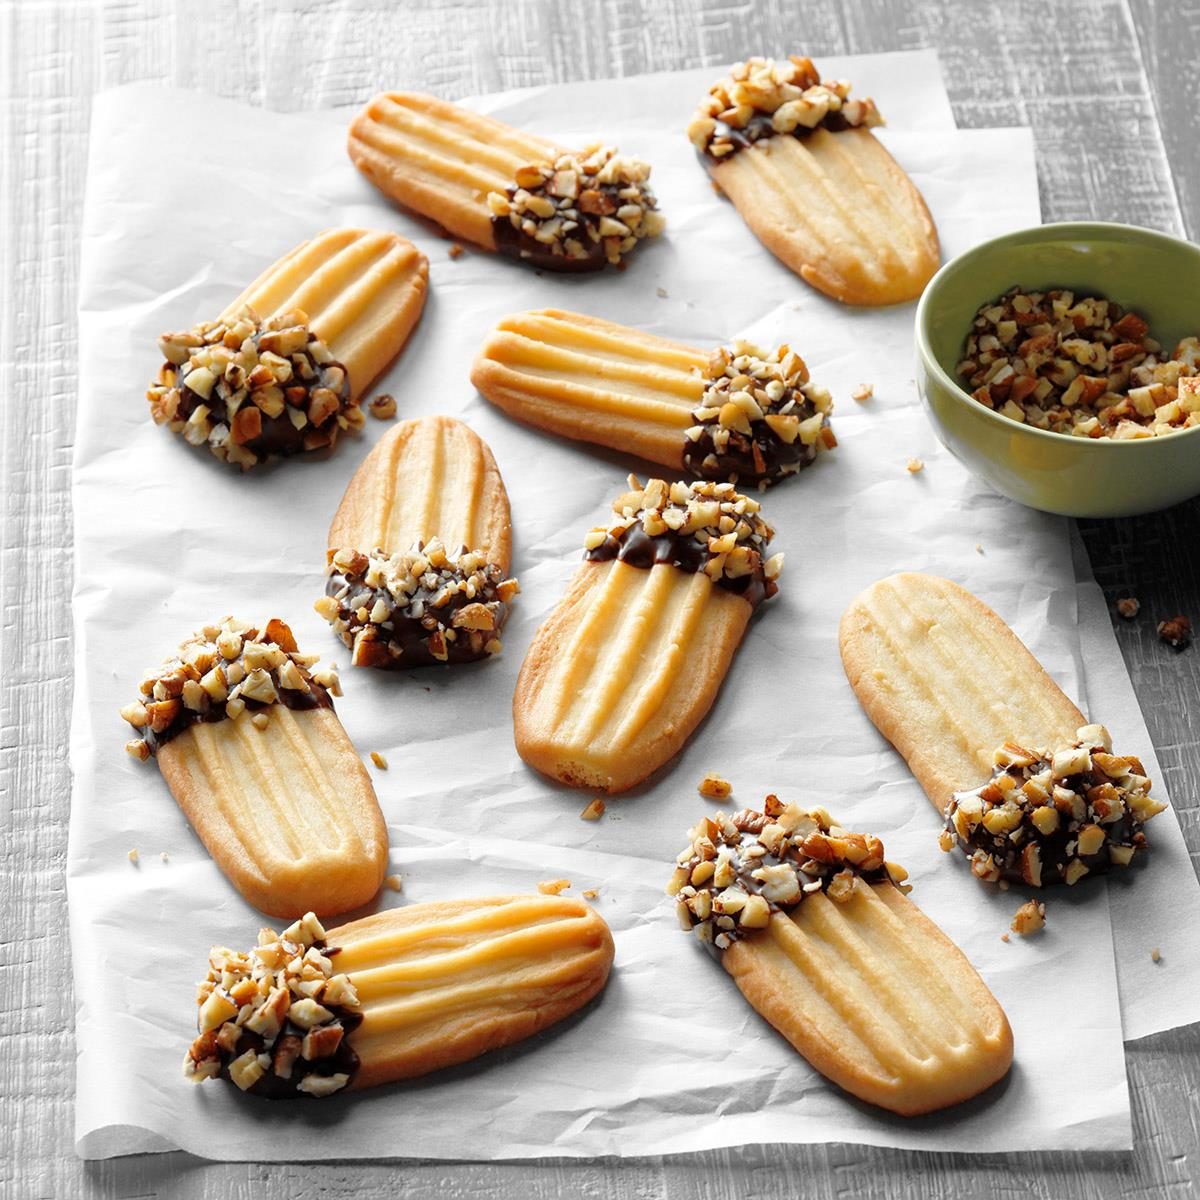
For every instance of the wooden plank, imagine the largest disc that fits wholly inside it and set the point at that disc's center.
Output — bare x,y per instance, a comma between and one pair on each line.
1094,102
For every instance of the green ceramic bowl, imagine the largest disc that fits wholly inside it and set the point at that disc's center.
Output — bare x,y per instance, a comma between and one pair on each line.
1155,275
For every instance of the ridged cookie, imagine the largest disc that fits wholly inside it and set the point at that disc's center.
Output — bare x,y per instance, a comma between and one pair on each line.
500,188
814,927
631,660
431,477
363,291
799,161
282,369
419,550
741,414
1028,790
946,681
248,742
395,995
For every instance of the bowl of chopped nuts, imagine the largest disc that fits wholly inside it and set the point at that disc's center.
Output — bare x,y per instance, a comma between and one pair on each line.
1062,365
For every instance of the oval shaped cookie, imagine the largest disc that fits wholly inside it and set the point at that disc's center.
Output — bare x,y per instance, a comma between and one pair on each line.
816,930
628,664
419,551
246,737
395,995
501,188
797,157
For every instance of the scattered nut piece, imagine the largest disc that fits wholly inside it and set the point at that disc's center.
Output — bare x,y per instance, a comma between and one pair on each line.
1029,919
395,882
1004,937
133,856
1129,607
978,547
594,811
379,760
914,466
661,293
590,893
1155,955
382,407
1176,632
713,787
863,392
552,887
454,250
164,856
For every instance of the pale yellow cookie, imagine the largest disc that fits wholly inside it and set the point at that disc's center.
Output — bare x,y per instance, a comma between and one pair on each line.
819,936
797,158
419,551
248,742
395,995
502,189
946,681
362,290
431,477
631,660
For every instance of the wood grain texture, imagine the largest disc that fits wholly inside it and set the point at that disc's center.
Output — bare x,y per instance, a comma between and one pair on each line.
1107,110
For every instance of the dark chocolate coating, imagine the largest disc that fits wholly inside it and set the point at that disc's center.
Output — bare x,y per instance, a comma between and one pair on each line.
760,127
637,548
512,242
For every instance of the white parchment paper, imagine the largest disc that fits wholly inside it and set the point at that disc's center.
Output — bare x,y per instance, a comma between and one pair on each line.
670,1058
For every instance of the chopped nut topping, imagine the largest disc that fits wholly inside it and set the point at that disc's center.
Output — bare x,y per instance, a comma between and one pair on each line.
706,527
1029,919
1129,607
252,390
219,673
1053,816
739,870
713,787
594,811
414,609
553,887
761,98
1079,366
578,212
274,1020
1176,632
379,760
759,419
383,407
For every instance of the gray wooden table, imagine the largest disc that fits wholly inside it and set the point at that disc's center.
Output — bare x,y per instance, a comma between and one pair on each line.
1110,88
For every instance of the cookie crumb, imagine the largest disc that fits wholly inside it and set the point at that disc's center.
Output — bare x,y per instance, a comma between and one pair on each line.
454,250
1029,919
133,856
1176,632
260,720
1004,937
661,293
1128,607
591,893
713,787
594,811
1155,955
382,407
863,392
395,882
552,887
914,466
379,760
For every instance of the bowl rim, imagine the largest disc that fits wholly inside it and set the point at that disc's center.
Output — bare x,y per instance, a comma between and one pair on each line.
1054,231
